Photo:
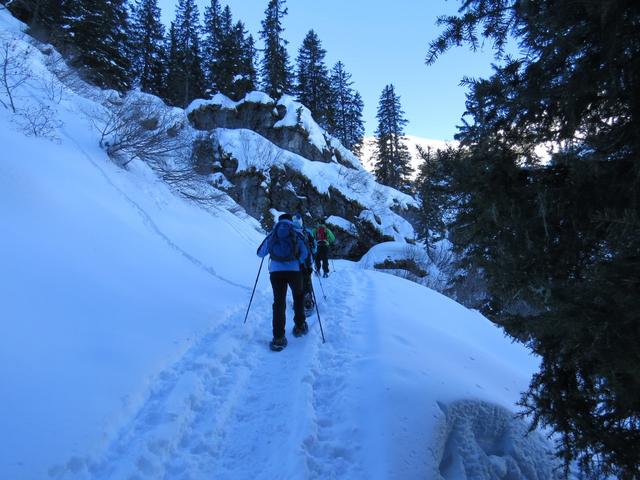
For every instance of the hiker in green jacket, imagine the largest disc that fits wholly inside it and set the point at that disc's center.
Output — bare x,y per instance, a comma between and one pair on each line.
324,238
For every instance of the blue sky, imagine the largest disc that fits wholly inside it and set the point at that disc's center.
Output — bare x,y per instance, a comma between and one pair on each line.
380,42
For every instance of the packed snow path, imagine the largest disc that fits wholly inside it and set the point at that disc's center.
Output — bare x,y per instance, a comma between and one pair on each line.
233,409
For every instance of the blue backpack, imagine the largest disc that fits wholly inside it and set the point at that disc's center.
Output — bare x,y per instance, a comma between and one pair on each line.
283,244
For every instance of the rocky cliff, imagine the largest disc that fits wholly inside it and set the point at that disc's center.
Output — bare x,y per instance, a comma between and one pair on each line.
272,157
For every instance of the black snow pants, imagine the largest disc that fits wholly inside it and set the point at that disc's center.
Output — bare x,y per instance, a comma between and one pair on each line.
279,282
322,256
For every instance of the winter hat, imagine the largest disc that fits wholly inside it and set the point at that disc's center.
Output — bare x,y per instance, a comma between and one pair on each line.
285,216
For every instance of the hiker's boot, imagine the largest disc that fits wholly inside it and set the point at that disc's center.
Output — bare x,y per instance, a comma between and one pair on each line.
308,302
301,329
277,344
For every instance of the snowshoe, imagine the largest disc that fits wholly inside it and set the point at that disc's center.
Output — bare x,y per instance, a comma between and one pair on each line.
278,344
308,304
300,330
308,311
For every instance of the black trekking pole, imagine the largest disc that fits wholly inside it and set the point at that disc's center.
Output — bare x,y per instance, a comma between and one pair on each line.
254,290
317,272
313,292
321,287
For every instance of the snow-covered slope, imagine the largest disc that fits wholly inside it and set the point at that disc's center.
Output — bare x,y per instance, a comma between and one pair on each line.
124,355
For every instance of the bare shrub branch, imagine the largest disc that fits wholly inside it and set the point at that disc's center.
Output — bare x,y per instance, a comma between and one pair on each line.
38,121
14,71
135,127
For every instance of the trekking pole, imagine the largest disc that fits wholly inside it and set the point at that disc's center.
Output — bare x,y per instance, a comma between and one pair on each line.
313,292
317,272
254,290
321,287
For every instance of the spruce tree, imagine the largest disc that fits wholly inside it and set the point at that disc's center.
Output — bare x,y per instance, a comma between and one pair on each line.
99,33
274,67
212,43
559,241
313,86
174,63
355,124
392,158
230,54
246,79
434,191
345,115
147,49
185,80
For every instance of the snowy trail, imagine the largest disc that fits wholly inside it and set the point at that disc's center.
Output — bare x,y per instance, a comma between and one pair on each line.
233,409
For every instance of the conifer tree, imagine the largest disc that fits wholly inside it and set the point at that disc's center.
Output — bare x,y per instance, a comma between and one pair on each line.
392,158
99,33
185,80
313,86
227,55
246,79
345,115
230,54
274,67
433,189
355,124
173,83
212,43
147,49
559,241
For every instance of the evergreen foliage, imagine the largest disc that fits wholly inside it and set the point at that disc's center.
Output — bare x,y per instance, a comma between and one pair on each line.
559,241
98,32
148,47
229,54
211,44
274,67
247,79
313,86
185,79
392,159
44,17
434,192
345,115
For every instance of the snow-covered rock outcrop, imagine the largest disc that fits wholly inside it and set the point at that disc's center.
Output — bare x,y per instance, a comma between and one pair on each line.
278,158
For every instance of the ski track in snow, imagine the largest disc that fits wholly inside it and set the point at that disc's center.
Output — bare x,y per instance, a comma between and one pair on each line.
148,221
230,408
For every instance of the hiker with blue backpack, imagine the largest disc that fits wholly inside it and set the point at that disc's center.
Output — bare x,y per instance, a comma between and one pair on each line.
287,250
306,267
324,238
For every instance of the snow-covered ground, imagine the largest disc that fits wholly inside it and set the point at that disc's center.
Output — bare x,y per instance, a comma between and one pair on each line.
124,355
431,271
